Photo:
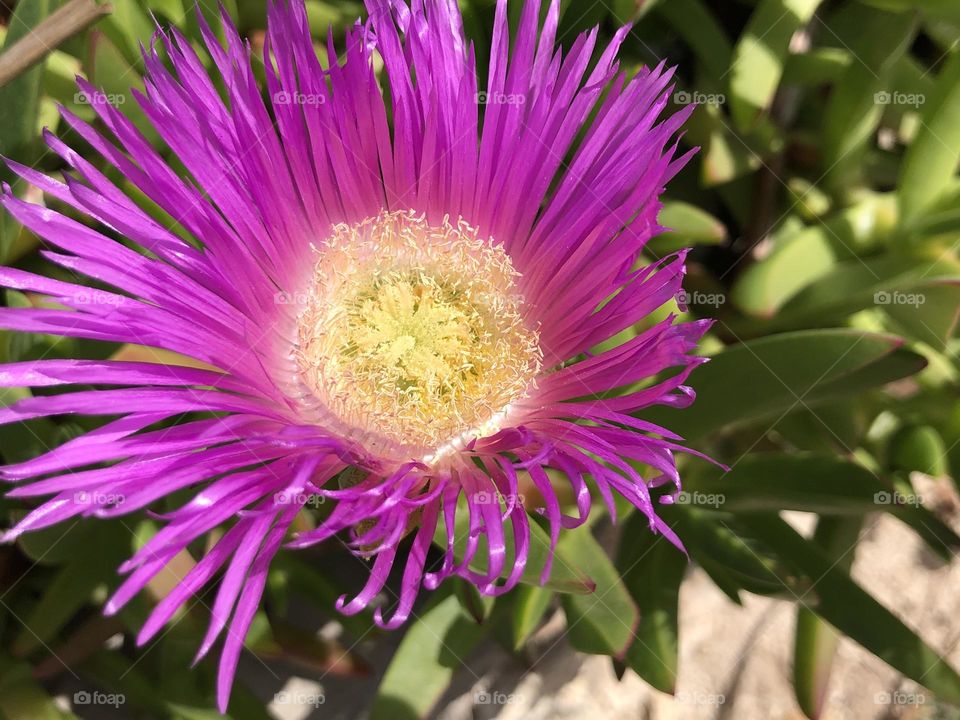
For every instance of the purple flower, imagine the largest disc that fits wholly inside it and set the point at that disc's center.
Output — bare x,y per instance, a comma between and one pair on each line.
392,299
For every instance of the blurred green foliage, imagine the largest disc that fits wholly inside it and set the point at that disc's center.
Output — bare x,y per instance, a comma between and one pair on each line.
824,212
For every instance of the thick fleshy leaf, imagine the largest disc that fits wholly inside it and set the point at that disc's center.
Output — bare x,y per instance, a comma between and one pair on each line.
877,40
773,481
817,66
698,26
837,599
932,321
436,644
931,160
726,156
477,606
605,621
765,286
823,484
652,571
803,257
129,26
859,284
19,111
22,698
918,448
760,54
939,9
830,427
529,604
90,565
766,378
732,561
688,225
815,641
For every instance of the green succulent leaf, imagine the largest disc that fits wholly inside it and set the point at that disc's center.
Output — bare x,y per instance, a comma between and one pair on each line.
603,622
760,55
840,601
530,605
815,641
931,160
766,378
88,567
824,484
687,225
436,643
22,698
20,111
652,570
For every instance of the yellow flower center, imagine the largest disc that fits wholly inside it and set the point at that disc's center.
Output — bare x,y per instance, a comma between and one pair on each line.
412,340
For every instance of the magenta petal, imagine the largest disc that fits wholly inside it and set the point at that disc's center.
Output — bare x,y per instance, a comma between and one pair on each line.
560,160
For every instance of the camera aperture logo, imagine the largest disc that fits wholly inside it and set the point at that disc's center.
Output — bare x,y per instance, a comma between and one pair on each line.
896,297
695,298
98,499
483,697
485,98
85,697
99,97
496,498
898,697
98,297
700,698
300,299
285,97
896,498
695,97
700,499
313,500
913,100
291,697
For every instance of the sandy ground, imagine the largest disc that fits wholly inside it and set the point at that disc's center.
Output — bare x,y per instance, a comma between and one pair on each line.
735,662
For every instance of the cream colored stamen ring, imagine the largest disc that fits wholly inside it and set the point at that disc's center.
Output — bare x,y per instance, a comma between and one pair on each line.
413,339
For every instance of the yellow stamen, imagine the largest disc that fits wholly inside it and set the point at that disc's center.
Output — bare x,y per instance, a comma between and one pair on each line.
413,340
